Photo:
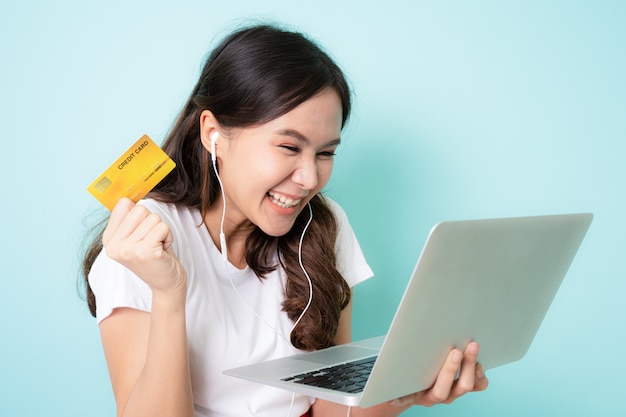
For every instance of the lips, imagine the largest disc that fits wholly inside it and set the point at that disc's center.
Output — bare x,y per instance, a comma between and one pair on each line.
282,200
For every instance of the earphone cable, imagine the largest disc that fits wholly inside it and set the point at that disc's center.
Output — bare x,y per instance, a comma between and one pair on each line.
225,258
222,235
303,269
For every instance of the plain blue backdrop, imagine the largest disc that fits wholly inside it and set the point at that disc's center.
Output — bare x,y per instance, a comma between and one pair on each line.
463,109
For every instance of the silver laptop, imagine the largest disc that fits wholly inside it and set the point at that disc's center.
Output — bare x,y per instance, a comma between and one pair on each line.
491,281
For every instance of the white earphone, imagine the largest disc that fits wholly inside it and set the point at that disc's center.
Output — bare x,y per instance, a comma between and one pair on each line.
214,137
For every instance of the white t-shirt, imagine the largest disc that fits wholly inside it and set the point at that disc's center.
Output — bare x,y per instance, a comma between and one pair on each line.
233,318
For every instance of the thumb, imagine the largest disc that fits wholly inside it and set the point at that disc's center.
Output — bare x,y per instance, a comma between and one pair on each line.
167,243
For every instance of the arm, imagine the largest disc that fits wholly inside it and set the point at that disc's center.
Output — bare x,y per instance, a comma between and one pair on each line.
446,388
147,353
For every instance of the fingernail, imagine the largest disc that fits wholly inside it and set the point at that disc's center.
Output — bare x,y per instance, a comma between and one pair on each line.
473,348
457,357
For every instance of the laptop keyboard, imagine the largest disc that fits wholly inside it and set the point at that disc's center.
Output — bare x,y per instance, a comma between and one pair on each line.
347,377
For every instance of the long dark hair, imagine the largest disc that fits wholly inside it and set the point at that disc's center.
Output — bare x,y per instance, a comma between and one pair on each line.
253,76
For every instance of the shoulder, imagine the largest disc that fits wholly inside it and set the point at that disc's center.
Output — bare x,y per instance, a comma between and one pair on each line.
337,210
344,228
350,259
333,205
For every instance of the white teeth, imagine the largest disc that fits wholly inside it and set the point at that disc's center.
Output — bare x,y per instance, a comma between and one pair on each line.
282,201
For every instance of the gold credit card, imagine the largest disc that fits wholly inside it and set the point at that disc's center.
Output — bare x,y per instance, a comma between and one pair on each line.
133,175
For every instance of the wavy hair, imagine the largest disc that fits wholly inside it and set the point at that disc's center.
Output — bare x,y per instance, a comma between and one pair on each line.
255,75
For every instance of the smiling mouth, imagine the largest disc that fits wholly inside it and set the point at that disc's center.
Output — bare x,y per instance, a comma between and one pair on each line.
283,201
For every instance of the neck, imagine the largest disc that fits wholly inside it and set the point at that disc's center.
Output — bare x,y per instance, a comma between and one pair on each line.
236,233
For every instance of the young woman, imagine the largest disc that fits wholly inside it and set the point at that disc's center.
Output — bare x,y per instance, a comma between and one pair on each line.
236,257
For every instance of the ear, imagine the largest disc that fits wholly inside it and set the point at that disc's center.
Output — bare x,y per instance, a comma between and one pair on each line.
208,128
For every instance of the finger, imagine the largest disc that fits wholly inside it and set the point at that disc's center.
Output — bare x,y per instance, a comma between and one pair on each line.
440,391
467,376
129,223
145,226
471,357
167,242
118,214
482,382
160,235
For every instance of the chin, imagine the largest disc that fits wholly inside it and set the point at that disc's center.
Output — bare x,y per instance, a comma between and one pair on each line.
275,232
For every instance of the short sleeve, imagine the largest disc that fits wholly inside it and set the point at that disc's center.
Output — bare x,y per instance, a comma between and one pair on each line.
351,262
115,286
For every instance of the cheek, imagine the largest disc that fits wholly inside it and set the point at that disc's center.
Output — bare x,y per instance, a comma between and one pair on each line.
264,173
250,167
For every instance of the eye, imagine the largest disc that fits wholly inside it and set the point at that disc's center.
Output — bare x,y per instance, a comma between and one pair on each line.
290,148
326,154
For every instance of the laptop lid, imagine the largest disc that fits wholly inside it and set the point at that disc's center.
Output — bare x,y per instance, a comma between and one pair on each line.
491,281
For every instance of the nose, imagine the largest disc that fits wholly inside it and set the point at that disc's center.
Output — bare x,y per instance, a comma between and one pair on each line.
305,174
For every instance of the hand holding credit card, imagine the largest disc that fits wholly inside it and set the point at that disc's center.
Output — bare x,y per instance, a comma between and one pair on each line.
133,174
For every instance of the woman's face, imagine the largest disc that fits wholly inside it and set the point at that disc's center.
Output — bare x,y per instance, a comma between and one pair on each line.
270,172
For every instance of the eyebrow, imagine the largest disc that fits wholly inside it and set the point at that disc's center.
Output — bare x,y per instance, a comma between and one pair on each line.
302,138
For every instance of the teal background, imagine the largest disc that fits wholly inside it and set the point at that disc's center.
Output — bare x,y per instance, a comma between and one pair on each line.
463,109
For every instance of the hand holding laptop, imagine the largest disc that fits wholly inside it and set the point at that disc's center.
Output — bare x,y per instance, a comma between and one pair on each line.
447,387
460,374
